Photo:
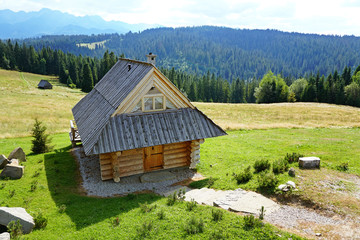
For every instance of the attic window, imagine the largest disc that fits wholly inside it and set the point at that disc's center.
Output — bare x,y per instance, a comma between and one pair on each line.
154,100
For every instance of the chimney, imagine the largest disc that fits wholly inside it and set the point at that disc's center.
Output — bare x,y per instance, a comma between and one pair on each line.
151,58
129,67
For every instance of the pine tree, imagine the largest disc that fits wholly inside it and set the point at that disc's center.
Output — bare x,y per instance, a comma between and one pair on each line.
41,141
88,82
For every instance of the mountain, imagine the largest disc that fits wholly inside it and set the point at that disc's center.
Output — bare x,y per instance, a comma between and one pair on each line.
52,22
227,52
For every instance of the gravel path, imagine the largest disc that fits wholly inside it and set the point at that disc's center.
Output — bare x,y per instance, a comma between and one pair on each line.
94,186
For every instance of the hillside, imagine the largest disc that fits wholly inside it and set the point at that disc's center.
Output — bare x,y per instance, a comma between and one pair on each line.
22,102
227,52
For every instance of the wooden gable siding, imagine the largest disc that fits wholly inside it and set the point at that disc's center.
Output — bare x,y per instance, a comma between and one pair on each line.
131,162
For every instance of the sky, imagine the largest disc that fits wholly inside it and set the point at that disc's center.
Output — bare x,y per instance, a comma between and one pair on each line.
339,17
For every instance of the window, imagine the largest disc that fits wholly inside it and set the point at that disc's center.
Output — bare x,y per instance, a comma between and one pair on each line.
154,100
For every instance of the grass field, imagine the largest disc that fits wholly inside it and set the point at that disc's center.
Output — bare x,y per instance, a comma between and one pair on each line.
22,102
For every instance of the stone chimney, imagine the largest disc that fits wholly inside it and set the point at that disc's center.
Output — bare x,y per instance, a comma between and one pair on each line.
151,58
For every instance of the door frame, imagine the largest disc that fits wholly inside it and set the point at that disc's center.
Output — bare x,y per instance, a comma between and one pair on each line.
147,158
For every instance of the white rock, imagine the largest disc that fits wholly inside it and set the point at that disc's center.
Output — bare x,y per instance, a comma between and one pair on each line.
13,214
282,187
291,183
5,236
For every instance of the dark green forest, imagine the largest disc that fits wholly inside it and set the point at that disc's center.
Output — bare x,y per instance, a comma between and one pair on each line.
230,53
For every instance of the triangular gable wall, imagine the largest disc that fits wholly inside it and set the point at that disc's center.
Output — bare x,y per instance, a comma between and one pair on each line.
153,79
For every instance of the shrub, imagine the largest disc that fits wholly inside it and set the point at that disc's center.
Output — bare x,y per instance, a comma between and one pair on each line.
250,222
41,141
11,193
293,157
116,222
262,213
2,186
62,208
131,196
267,181
15,229
191,205
210,181
171,199
280,166
261,165
33,185
161,214
217,215
145,229
244,176
194,226
145,207
40,221
343,166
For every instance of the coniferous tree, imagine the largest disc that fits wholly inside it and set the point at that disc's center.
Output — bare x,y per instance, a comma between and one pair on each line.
41,141
88,82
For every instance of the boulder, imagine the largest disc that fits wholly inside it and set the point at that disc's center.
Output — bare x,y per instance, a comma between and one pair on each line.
14,162
291,184
5,236
3,161
309,162
292,172
283,187
12,171
18,153
13,214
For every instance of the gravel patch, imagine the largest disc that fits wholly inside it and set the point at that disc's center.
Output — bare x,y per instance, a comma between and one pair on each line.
93,185
291,217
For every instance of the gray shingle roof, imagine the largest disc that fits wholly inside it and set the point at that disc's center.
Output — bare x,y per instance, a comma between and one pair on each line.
129,131
101,133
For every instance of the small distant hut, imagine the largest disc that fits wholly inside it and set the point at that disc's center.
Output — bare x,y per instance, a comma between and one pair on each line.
137,121
44,84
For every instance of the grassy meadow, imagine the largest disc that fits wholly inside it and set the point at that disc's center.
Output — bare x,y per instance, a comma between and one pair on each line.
255,131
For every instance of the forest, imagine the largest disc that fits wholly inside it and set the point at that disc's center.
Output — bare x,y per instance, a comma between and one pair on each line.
226,52
84,72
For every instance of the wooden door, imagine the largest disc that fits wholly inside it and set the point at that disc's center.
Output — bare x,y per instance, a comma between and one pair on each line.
153,158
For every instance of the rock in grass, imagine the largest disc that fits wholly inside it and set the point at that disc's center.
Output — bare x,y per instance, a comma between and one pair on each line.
5,236
291,184
292,172
3,161
18,153
12,171
13,214
309,162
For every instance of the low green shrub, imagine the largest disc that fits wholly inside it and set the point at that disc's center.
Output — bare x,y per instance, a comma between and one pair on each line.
343,166
292,157
15,229
261,165
161,214
251,222
40,221
115,222
194,225
217,215
11,193
191,205
33,185
145,207
145,229
280,166
62,208
244,176
267,181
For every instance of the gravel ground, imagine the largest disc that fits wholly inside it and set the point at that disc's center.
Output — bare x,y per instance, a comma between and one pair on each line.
94,186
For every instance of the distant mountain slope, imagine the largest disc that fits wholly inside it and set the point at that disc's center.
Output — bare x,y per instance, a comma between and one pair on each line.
49,22
227,52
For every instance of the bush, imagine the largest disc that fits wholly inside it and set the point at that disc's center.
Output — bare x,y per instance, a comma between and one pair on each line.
171,199
40,221
41,141
145,207
261,165
145,229
343,166
116,222
217,215
194,226
11,193
267,181
161,214
33,185
280,166
15,229
191,205
244,176
62,208
293,157
250,222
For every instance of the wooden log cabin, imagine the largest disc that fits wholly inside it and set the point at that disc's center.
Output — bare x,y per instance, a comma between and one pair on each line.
137,121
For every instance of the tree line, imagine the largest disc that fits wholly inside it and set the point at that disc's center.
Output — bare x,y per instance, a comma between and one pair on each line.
84,72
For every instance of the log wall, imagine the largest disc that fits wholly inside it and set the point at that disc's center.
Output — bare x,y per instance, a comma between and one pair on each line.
176,155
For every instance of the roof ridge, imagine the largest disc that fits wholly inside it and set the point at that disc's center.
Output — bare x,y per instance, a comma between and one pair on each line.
136,61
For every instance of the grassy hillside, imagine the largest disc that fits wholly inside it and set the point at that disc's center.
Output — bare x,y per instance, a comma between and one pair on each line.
21,102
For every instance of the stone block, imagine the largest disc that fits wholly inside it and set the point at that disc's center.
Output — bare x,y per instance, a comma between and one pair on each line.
3,161
5,236
13,214
12,171
309,162
18,153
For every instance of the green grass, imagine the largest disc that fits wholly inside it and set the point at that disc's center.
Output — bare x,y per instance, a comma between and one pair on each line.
93,218
239,149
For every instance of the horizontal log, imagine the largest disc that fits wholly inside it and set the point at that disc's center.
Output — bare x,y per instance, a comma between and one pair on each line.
105,156
176,165
130,163
104,162
107,177
130,158
175,145
107,172
176,155
132,152
172,151
176,160
131,173
105,167
132,168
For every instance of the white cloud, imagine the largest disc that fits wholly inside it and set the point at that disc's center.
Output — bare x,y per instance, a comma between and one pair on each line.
312,16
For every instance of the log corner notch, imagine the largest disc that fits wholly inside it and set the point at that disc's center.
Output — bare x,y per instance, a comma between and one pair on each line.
195,153
115,166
